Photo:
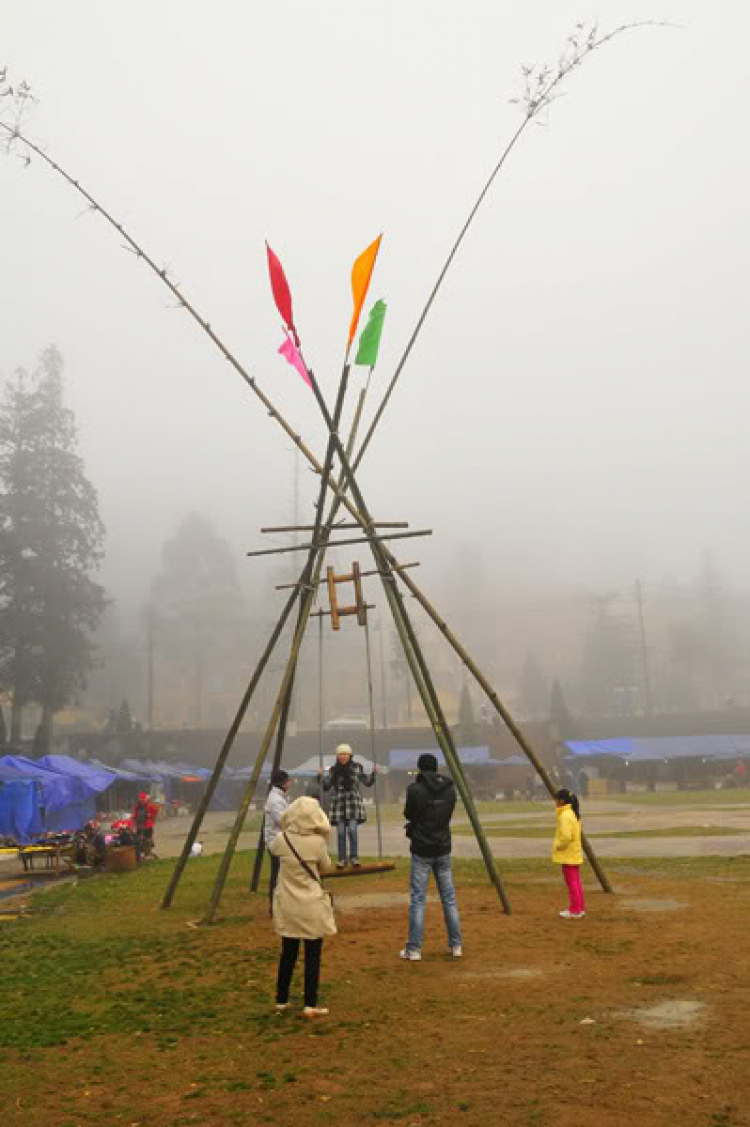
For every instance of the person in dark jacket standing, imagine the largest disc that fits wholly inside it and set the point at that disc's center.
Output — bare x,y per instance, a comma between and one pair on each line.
429,807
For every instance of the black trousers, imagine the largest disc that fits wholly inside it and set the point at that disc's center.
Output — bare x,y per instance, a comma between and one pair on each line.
287,963
273,879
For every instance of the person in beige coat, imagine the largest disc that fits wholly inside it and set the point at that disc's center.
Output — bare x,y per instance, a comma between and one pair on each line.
301,907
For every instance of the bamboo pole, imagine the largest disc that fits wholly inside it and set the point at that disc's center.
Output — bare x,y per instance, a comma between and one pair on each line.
326,526
373,752
227,747
535,103
363,575
320,692
335,528
512,726
336,543
280,736
413,653
314,564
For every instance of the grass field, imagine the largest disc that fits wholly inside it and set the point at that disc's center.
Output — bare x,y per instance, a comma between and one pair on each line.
114,1011
521,831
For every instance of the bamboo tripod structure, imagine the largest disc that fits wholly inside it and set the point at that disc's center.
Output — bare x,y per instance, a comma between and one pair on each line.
536,100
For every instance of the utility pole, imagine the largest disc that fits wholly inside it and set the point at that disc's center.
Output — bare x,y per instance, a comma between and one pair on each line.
150,669
383,691
198,672
644,649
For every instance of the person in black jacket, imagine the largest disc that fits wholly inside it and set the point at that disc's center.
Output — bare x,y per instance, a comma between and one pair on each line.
429,807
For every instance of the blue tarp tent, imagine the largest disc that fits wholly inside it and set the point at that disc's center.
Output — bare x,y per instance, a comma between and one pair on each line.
643,750
20,814
515,761
406,758
168,775
67,801
95,777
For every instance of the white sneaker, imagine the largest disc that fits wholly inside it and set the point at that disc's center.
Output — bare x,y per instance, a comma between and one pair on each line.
315,1011
411,956
457,952
566,915
577,915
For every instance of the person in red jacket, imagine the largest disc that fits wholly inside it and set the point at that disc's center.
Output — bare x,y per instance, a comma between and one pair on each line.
143,818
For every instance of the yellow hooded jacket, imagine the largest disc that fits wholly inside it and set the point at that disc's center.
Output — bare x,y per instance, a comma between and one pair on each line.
567,846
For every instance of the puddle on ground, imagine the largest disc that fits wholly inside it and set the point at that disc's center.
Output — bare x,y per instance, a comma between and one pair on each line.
653,905
668,1015
375,900
504,972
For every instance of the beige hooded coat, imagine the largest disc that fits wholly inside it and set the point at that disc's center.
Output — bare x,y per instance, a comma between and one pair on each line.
301,907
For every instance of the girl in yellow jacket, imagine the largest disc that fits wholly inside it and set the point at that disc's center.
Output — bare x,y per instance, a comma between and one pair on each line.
567,851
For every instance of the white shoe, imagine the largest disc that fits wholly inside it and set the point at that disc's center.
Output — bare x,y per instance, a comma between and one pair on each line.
315,1011
410,956
566,915
457,951
577,915
281,1007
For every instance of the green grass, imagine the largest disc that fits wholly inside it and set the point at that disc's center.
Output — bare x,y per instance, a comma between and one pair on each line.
675,831
99,957
718,798
521,832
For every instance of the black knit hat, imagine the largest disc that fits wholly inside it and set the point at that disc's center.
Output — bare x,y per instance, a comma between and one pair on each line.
427,762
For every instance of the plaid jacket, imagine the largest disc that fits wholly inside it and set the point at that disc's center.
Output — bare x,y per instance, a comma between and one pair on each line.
347,804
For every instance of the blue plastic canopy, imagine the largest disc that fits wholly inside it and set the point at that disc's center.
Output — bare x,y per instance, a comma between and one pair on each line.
67,801
642,750
168,774
20,813
406,758
96,777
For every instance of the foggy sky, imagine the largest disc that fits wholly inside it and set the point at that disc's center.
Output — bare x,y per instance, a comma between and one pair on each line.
578,400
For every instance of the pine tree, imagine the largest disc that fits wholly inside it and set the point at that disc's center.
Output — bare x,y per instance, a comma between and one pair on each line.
558,706
124,724
533,690
51,539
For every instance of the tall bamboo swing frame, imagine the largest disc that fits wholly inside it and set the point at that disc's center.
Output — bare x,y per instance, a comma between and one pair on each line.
542,88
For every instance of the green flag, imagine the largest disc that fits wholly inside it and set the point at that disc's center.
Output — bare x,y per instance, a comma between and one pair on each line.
369,342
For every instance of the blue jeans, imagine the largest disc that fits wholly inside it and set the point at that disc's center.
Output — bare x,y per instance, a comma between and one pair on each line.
421,867
348,829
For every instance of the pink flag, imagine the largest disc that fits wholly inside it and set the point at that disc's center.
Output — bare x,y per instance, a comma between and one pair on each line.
290,352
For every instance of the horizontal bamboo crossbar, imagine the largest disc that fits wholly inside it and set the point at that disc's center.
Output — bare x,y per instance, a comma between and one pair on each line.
337,525
336,543
396,567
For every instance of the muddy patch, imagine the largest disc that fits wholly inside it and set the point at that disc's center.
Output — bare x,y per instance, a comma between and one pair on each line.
652,904
375,900
668,1015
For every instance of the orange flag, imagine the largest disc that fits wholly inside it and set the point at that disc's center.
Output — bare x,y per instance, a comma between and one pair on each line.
361,274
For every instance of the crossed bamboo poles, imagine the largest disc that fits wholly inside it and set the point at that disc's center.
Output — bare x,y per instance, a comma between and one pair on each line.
387,564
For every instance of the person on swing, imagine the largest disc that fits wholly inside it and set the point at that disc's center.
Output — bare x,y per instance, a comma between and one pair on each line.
347,810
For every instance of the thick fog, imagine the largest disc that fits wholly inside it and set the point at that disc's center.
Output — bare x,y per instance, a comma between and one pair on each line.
574,413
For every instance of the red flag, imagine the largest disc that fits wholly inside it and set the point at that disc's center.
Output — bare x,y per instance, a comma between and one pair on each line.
281,293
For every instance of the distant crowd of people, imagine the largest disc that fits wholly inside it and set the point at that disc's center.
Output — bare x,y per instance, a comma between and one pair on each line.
297,834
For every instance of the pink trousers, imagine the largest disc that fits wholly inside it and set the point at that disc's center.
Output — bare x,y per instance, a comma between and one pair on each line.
572,874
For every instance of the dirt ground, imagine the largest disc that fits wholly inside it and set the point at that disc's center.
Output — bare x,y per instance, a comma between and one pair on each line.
639,1012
